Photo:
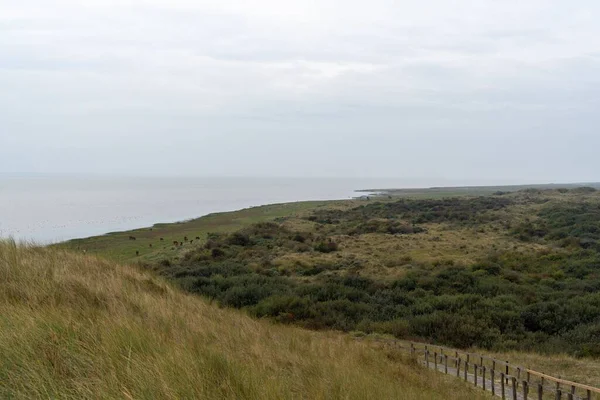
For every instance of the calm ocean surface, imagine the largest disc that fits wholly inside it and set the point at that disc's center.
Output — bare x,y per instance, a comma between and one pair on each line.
53,209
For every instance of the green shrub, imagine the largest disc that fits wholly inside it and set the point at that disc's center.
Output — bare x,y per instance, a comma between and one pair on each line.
238,239
328,246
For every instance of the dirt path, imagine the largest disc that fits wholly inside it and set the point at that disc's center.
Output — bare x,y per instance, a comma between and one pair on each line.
508,390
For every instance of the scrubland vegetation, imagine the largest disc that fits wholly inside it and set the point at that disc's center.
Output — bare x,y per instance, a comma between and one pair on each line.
513,274
75,326
510,271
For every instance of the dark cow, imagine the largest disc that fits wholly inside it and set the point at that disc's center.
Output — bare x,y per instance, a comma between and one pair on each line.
161,239
197,237
150,245
131,237
137,252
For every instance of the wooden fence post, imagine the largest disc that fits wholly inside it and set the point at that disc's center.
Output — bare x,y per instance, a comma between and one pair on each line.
483,377
533,381
446,364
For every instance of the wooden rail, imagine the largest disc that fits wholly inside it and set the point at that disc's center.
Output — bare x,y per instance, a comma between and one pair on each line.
502,378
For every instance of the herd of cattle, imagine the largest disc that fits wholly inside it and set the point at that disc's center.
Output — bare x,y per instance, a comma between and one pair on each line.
176,243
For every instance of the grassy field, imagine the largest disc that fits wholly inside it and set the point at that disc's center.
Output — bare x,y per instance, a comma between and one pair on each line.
440,192
118,246
73,326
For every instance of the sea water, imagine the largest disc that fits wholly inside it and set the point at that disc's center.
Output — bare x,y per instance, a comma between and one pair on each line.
50,209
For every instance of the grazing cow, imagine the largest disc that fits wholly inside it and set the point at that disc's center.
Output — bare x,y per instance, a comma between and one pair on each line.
175,242
137,252
185,239
161,239
131,237
150,244
191,241
197,237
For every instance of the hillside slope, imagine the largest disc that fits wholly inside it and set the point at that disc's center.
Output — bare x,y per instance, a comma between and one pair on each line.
74,326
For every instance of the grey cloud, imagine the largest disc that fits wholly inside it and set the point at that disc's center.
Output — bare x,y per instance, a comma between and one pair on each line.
493,90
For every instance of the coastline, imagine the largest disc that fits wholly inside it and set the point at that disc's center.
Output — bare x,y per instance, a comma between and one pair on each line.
54,209
147,245
155,242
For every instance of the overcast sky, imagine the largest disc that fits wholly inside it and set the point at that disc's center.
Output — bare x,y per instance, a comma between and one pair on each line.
478,90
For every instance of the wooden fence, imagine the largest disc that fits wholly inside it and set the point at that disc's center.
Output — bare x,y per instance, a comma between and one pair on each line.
500,377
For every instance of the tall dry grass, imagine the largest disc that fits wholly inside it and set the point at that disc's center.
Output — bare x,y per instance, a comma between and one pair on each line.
75,326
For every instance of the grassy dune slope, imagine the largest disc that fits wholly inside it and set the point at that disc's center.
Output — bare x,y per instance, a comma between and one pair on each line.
75,326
